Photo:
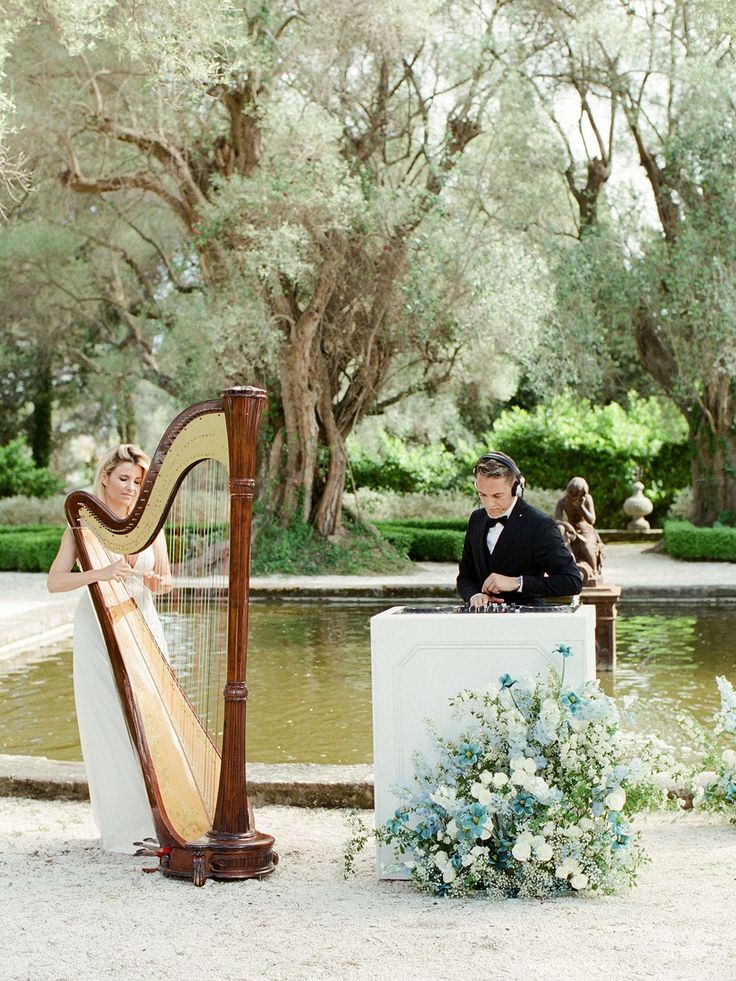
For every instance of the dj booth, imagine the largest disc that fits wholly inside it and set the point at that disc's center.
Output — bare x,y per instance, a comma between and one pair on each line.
421,658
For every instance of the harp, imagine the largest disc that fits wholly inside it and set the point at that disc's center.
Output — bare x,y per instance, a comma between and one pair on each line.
184,694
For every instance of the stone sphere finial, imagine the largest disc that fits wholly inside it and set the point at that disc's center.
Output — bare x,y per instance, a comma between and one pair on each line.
637,506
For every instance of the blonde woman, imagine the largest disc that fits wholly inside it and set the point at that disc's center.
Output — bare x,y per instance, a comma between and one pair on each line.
117,790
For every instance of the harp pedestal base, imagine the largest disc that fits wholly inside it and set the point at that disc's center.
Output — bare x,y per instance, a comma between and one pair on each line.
248,856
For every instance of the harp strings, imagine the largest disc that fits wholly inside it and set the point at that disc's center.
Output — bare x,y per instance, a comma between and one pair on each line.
194,611
175,745
184,645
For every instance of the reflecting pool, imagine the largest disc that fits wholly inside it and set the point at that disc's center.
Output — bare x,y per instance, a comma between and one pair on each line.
309,680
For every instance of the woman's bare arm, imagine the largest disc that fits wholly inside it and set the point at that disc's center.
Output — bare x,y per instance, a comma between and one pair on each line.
61,579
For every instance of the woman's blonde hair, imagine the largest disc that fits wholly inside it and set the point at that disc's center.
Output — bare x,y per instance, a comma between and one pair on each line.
125,453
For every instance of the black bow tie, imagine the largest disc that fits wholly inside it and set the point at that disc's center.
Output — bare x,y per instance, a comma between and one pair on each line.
498,521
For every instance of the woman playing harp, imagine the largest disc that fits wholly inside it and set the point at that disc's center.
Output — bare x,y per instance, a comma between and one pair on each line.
185,705
117,790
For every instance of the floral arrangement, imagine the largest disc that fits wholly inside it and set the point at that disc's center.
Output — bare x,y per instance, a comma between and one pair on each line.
534,799
715,784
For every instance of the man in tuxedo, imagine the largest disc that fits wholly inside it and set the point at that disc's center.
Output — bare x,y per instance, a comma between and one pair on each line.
512,553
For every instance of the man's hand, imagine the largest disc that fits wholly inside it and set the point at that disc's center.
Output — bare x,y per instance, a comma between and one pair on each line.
496,583
479,601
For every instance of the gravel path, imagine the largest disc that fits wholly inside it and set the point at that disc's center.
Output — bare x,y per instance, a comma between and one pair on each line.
72,911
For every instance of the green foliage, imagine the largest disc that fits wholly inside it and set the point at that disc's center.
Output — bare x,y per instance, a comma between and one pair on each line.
425,544
404,468
299,550
24,510
609,446
683,540
20,475
433,524
29,549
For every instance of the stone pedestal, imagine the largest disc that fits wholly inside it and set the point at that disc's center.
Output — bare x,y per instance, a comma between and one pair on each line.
422,660
604,599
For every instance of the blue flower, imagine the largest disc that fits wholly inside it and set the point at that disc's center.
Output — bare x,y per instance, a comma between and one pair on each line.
564,649
468,753
506,681
500,857
597,809
524,804
572,702
398,821
471,822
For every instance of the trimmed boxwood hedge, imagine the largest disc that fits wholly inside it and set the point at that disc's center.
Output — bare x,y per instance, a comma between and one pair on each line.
29,549
433,524
422,543
683,540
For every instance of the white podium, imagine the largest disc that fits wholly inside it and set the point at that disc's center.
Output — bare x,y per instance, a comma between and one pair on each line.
419,661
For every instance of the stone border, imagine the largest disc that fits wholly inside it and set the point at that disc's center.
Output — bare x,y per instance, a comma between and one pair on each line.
293,784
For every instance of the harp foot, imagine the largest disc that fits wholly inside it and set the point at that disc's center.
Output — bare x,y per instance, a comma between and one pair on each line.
199,874
248,856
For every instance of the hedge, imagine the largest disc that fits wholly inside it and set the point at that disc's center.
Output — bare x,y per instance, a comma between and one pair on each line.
432,524
683,540
26,529
425,544
30,550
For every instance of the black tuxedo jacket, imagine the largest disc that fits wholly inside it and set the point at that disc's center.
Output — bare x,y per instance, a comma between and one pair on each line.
530,545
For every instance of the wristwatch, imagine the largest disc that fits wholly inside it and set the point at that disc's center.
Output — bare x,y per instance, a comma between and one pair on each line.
518,584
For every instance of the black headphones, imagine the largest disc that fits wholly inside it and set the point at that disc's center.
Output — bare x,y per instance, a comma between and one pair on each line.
518,489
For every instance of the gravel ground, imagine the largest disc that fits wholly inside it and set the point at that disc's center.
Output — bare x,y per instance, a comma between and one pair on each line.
72,911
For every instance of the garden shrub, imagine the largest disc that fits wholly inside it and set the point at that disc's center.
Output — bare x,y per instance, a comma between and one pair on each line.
425,544
406,469
683,540
607,445
29,550
20,475
610,446
23,510
433,524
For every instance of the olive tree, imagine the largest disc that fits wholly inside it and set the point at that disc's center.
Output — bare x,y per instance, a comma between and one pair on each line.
308,156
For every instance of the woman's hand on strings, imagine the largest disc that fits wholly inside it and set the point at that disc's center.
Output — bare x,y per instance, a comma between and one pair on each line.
119,571
156,582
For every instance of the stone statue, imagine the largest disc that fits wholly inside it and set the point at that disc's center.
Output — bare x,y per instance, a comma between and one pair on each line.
575,517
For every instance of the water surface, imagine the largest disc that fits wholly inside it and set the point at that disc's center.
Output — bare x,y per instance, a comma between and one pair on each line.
309,680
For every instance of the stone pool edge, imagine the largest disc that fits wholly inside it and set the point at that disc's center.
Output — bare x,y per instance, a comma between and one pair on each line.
290,784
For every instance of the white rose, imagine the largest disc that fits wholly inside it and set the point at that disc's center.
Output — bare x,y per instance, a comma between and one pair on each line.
616,799
568,868
522,851
729,758
449,875
586,824
545,852
579,881
500,780
468,860
519,777
482,794
486,777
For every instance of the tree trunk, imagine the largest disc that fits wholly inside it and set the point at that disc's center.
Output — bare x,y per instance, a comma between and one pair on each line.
713,441
328,511
41,418
126,417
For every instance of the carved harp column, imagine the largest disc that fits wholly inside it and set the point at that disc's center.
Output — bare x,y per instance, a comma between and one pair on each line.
180,670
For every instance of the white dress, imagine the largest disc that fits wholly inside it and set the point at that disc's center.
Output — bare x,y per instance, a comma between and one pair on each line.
119,801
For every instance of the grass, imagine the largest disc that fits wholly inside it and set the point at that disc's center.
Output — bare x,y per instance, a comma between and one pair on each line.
299,550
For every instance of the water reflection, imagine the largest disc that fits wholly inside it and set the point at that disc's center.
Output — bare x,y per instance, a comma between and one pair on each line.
309,681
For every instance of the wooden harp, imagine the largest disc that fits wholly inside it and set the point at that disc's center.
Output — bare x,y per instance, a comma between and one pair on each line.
186,718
